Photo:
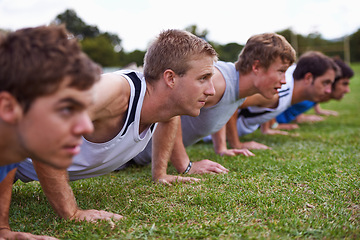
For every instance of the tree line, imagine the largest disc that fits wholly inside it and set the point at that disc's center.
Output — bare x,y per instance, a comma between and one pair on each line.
105,48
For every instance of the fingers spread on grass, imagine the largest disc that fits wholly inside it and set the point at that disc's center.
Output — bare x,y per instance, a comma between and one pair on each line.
207,166
169,179
254,145
93,215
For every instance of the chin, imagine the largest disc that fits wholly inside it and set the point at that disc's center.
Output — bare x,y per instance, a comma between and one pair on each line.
63,164
194,113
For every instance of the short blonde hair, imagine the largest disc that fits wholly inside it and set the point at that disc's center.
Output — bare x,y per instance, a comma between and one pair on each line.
173,49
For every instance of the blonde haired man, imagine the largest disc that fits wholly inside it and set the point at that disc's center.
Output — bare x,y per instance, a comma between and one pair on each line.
260,69
129,106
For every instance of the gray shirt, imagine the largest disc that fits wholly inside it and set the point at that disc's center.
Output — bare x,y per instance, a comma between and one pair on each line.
211,119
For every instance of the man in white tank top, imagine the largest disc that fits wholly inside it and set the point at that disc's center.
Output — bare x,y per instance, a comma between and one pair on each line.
177,81
310,79
260,69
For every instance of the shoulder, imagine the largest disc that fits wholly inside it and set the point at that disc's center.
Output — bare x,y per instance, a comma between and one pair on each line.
112,95
260,101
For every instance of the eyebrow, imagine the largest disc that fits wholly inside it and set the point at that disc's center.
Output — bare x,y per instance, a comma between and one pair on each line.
72,101
207,74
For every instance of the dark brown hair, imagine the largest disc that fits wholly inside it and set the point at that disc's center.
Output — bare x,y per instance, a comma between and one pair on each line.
316,63
35,61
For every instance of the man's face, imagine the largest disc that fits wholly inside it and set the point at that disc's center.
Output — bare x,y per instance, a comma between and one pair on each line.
320,87
268,81
194,87
341,87
52,128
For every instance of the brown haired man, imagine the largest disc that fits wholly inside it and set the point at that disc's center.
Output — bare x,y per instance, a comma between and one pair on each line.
45,89
128,107
260,69
311,78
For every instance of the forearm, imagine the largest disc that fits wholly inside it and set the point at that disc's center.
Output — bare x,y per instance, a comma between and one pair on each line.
5,199
266,127
179,158
317,109
232,132
55,184
219,140
162,146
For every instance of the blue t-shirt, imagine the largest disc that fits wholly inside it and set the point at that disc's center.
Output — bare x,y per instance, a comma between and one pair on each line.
292,112
4,170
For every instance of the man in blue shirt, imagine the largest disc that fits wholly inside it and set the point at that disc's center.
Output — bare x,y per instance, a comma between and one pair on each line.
339,88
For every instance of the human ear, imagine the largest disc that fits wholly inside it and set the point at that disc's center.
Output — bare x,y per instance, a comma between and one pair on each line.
10,109
169,77
308,78
255,66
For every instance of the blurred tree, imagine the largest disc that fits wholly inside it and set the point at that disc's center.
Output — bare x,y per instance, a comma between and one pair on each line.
101,50
195,30
355,46
229,52
104,48
76,25
136,56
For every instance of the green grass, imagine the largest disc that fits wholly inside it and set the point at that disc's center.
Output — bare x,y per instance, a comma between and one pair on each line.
307,187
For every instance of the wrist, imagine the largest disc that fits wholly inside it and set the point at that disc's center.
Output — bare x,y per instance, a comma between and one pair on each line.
5,228
72,216
188,168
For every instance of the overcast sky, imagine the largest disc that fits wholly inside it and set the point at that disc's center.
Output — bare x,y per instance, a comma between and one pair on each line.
137,22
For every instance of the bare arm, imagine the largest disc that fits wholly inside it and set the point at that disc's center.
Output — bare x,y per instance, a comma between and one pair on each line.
220,147
111,97
302,118
325,112
5,199
266,129
232,132
181,160
163,143
233,138
55,185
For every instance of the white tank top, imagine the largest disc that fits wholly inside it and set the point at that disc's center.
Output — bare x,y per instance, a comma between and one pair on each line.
97,159
252,117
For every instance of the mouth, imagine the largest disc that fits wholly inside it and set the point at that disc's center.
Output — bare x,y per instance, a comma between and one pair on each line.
202,101
72,149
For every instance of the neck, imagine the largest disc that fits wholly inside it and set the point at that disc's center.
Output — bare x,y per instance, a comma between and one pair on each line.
10,150
299,93
154,108
246,86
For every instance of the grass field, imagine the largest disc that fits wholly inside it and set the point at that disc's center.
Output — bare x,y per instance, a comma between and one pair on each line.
307,187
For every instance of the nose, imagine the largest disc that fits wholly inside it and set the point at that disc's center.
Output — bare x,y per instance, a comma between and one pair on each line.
347,89
328,90
83,125
283,79
210,91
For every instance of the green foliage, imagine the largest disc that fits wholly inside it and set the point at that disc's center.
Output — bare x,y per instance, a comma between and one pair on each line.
88,34
229,52
76,25
136,56
355,46
195,30
306,187
100,50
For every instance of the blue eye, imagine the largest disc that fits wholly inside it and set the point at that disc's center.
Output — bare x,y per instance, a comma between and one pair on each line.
68,110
